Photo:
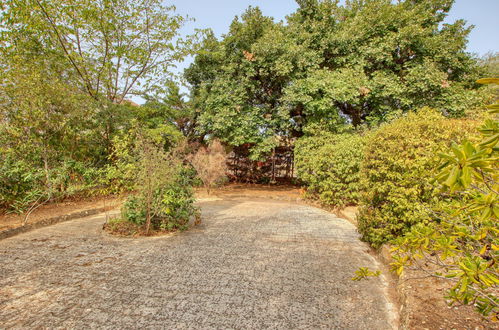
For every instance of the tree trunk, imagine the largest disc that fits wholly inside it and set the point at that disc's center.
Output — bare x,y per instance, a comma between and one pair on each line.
355,114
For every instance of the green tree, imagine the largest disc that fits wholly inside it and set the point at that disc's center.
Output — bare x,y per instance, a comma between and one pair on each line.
233,82
66,71
377,56
330,65
43,124
172,109
115,48
490,63
164,198
109,49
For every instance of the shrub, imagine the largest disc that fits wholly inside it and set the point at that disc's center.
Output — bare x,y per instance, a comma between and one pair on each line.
26,185
462,247
119,176
210,164
397,170
164,198
172,208
329,164
20,184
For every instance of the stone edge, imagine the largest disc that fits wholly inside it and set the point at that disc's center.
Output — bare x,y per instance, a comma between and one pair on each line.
52,221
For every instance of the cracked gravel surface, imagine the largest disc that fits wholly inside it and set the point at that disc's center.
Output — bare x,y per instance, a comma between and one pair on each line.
251,264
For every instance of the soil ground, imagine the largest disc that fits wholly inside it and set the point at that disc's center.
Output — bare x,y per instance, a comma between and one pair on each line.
8,221
423,300
284,192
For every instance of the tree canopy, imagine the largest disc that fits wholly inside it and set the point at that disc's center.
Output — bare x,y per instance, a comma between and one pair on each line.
330,65
67,71
112,48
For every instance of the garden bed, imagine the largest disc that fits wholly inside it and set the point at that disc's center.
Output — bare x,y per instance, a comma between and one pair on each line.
122,228
49,213
422,302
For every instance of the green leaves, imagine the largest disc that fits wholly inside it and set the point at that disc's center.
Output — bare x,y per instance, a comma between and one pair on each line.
112,49
328,66
164,198
330,165
364,272
462,244
67,69
467,161
398,168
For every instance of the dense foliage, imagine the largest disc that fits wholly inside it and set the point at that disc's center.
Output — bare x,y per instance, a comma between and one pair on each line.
164,197
462,245
67,69
329,165
396,173
329,64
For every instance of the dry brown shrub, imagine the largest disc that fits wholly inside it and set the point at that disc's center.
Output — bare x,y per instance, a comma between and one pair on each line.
210,164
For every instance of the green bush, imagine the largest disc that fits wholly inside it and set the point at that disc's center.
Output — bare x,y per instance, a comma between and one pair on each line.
174,204
20,184
462,247
71,178
24,184
164,198
329,164
397,171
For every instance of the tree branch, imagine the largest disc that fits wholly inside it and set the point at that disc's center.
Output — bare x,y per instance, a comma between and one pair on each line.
61,42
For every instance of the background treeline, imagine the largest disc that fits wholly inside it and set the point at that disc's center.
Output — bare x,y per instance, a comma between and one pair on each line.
67,72
329,66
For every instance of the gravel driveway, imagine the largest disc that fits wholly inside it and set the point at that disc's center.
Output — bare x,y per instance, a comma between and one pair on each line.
251,264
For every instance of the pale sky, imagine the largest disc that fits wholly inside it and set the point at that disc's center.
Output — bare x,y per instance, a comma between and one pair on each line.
217,15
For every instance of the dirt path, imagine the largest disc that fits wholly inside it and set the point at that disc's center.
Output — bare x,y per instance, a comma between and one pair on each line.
251,264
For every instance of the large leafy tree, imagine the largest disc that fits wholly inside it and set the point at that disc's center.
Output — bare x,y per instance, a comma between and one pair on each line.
235,86
331,64
114,48
377,56
66,71
107,50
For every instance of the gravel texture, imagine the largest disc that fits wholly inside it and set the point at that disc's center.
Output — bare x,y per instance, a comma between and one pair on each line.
251,264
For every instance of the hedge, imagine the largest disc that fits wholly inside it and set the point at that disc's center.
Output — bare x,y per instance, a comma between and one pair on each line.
329,164
397,172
